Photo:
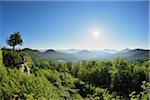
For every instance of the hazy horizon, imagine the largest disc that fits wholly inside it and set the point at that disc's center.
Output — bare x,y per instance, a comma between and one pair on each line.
65,49
67,25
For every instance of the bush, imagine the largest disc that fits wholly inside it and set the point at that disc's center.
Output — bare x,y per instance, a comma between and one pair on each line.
12,58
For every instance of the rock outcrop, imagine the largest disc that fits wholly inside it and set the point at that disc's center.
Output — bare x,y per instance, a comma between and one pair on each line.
23,67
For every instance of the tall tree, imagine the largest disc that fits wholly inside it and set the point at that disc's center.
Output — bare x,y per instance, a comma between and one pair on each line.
15,39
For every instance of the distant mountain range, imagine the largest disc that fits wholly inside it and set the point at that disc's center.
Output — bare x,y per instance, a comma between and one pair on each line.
76,55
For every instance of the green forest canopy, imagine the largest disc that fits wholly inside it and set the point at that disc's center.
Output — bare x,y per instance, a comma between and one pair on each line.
88,79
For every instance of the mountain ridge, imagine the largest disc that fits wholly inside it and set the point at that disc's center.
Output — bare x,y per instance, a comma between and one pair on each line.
131,54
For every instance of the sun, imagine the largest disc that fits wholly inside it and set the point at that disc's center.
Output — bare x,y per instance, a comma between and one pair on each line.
96,34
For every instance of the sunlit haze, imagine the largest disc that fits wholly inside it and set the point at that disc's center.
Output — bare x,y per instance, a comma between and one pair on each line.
79,25
96,34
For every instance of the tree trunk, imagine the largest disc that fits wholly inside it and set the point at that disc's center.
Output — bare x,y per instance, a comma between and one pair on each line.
13,47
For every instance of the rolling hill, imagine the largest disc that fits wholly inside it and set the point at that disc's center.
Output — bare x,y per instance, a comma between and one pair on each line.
136,54
50,54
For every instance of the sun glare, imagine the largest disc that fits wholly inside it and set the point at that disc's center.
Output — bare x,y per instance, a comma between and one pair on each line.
96,34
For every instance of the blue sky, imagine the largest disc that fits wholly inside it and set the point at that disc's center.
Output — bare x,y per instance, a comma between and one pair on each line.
79,25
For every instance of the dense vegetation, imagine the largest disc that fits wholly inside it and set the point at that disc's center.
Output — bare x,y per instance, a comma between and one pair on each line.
88,79
25,74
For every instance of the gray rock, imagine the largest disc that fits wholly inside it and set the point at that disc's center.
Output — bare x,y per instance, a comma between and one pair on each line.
24,68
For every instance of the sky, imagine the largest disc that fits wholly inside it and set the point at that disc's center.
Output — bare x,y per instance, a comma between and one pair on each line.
80,25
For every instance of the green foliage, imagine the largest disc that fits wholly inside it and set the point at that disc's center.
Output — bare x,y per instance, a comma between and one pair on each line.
146,68
144,95
26,58
12,58
34,54
44,64
18,83
14,40
89,80
76,68
1,60
96,73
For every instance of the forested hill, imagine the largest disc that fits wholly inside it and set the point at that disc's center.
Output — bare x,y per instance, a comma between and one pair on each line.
136,54
50,54
22,77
